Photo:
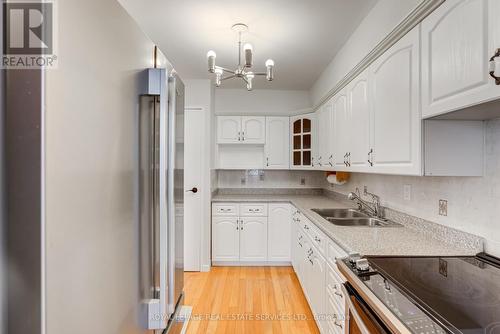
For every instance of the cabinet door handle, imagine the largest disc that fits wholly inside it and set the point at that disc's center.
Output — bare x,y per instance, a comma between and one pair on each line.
493,67
237,224
239,136
243,136
370,157
267,161
338,324
317,239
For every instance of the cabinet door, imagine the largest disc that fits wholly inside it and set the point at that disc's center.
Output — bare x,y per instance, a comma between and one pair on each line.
396,136
340,130
458,39
329,148
225,239
253,239
358,124
277,143
317,285
302,129
278,227
253,130
228,129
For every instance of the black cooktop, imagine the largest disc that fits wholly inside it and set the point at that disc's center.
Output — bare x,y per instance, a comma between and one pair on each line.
461,293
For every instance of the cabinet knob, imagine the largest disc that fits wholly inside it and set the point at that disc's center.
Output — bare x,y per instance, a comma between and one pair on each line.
194,190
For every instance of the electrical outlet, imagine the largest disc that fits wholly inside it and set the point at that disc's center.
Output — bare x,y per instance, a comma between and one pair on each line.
407,192
243,181
443,207
261,176
302,181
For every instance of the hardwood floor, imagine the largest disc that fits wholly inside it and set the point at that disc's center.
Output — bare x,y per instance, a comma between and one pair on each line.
247,300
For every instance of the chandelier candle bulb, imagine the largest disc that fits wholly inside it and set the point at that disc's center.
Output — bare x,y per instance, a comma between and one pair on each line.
249,77
211,61
248,54
270,70
218,76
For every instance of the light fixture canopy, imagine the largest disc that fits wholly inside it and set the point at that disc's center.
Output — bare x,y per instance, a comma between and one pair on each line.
243,70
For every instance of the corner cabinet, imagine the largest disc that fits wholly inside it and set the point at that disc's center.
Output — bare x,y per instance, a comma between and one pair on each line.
458,40
302,141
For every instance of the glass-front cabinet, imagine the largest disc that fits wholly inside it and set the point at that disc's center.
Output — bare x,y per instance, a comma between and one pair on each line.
302,141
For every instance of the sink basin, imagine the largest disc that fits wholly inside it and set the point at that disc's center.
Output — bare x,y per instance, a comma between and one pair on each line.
352,217
367,222
340,213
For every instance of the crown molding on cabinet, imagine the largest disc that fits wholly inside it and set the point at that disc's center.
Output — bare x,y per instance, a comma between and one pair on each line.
413,19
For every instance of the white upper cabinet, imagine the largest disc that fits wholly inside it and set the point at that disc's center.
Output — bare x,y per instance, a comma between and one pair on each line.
324,137
340,130
279,225
458,39
241,130
358,135
253,239
228,129
253,130
395,116
302,130
277,148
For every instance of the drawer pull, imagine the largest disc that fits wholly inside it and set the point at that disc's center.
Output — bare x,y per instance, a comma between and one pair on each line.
317,239
306,227
336,323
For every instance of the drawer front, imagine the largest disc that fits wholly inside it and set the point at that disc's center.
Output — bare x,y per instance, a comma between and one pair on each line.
335,321
334,252
318,239
304,224
253,209
225,209
334,288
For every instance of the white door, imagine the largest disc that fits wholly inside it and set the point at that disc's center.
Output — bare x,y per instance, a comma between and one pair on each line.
458,39
228,129
225,239
277,148
278,227
395,117
253,130
359,118
193,199
341,130
253,239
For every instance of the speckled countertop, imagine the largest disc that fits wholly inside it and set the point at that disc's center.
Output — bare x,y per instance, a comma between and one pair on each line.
404,241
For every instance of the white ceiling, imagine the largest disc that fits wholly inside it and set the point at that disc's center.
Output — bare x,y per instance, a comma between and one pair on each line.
302,36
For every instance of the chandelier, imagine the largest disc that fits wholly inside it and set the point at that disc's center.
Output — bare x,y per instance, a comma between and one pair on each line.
242,71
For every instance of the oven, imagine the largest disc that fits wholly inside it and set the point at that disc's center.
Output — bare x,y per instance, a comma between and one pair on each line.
361,319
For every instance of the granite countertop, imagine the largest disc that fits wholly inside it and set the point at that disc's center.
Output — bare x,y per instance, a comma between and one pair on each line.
404,241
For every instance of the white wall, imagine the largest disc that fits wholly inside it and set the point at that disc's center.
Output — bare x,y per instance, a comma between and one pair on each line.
91,169
199,93
381,20
270,179
473,202
260,102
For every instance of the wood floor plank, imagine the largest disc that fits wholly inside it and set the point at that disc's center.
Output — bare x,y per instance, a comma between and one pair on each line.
249,300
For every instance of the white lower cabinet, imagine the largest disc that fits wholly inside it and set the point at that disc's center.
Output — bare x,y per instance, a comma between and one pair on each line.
313,259
225,238
278,229
253,239
251,233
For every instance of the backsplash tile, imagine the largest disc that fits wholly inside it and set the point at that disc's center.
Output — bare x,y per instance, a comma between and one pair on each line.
269,179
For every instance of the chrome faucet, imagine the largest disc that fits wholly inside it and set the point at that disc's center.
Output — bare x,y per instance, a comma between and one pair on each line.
373,208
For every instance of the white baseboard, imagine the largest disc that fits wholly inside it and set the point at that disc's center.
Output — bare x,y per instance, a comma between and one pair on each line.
205,268
251,264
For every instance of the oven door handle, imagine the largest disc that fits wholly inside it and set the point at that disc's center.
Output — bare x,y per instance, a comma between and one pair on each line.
353,312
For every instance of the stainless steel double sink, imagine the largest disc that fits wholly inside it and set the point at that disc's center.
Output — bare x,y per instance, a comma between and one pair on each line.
353,217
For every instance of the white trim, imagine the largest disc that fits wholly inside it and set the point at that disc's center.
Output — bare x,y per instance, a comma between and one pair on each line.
413,19
43,262
205,268
251,264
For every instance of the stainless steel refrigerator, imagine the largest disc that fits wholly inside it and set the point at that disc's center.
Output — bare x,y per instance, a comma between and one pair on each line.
161,201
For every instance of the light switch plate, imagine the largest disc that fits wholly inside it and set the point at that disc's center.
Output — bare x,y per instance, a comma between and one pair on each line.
443,207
